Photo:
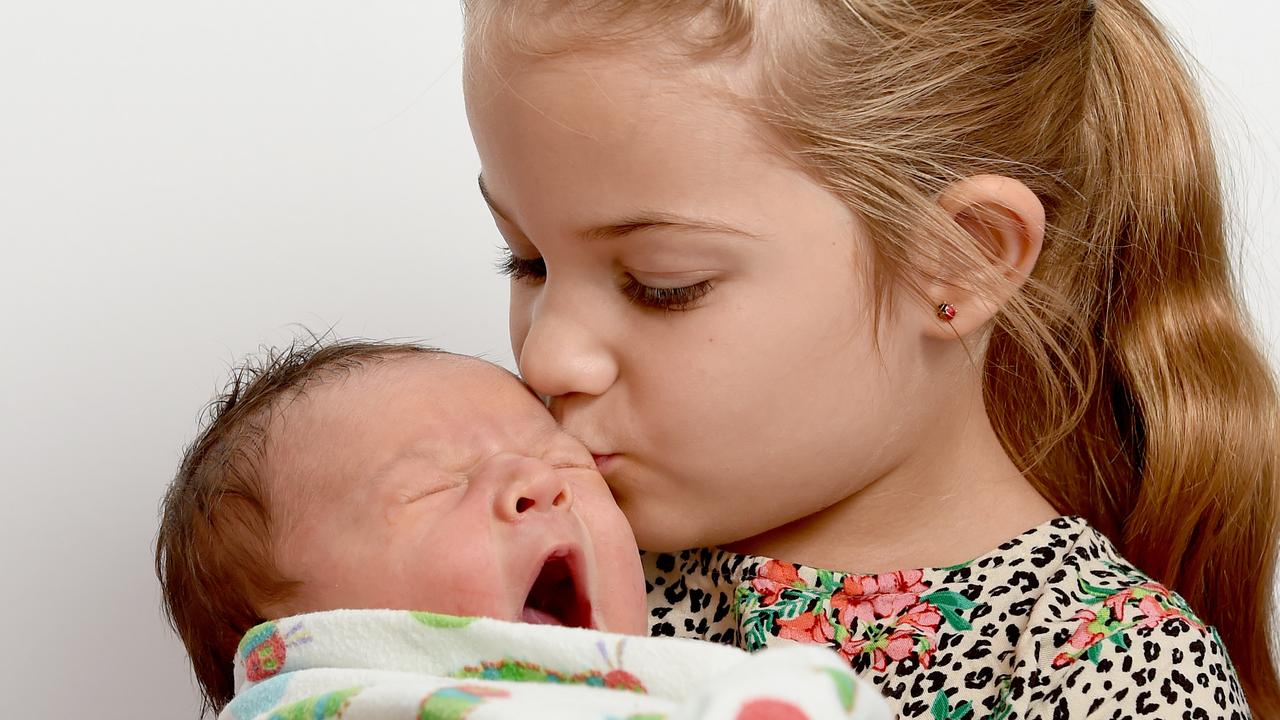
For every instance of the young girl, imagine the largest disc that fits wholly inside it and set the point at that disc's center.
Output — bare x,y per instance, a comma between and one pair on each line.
927,299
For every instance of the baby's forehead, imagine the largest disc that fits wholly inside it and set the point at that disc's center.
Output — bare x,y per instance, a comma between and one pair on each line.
442,399
475,382
446,408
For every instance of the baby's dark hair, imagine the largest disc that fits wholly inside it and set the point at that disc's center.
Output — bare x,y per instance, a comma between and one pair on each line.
214,553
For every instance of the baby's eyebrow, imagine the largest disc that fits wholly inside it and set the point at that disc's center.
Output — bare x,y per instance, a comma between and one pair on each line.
638,223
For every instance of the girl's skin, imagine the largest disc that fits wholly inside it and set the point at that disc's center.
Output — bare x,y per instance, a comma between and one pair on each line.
698,310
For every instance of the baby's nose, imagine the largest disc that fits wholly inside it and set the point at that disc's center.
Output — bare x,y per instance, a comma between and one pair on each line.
525,485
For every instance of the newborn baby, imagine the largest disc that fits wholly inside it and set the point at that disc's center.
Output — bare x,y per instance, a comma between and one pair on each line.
441,483
378,476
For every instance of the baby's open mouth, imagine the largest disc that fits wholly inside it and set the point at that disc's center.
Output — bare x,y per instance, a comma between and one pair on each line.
558,595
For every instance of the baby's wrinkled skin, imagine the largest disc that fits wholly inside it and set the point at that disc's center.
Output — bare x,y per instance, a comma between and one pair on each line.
442,484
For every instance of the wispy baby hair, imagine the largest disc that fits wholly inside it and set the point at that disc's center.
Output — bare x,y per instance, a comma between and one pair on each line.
1124,378
214,554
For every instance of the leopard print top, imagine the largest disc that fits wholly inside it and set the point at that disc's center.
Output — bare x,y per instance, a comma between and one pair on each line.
1052,624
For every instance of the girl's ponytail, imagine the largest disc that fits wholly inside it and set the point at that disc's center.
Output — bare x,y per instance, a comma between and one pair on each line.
1200,418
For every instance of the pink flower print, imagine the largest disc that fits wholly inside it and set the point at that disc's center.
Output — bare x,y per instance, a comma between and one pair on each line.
853,647
900,645
1154,613
924,617
1116,603
1085,637
772,579
851,606
926,658
1153,610
807,628
867,597
897,647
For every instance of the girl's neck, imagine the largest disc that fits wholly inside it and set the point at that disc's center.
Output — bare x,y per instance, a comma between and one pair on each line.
933,510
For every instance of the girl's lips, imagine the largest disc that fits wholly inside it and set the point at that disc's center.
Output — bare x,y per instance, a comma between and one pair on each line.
603,462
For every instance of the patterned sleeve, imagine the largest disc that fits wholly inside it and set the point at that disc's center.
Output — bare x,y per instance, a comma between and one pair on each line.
1173,671
1115,644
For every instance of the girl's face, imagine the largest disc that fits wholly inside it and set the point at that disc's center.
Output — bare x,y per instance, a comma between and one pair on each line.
697,308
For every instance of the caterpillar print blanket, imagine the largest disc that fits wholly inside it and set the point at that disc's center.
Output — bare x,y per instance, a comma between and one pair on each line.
398,665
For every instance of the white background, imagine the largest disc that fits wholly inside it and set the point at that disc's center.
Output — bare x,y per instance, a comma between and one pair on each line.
181,182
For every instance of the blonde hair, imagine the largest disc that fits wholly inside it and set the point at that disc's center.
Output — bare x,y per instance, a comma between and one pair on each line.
1124,378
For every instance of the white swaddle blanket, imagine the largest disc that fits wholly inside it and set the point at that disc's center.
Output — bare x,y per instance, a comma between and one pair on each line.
398,665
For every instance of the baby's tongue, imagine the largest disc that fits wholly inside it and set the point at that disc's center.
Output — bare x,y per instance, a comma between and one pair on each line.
538,617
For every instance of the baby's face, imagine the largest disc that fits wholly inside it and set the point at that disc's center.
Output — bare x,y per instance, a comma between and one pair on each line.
441,484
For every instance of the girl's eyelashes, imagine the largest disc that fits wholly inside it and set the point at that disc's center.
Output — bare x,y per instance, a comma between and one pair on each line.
518,268
677,299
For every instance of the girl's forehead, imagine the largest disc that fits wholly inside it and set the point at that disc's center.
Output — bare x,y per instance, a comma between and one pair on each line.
581,98
588,144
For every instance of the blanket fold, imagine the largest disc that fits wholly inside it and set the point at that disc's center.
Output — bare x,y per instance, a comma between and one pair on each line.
399,665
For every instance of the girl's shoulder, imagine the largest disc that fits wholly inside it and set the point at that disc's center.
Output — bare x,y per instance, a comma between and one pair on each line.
1053,621
1106,640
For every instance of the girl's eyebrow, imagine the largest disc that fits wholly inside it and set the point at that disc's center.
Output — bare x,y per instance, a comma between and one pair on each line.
635,224
488,199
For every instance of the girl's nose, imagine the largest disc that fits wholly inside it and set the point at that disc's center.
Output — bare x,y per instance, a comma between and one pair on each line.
524,486
560,355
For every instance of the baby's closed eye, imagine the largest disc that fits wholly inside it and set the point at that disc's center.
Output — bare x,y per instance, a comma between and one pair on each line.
435,486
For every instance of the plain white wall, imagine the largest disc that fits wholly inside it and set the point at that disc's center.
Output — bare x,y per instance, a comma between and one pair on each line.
180,182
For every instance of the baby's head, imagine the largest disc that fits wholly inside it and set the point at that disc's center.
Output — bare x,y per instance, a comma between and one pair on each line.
365,475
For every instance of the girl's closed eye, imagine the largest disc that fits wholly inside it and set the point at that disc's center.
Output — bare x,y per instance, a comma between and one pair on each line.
521,269
676,299
657,296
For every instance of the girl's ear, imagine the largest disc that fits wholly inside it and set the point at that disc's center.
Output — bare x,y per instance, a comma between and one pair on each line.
1006,220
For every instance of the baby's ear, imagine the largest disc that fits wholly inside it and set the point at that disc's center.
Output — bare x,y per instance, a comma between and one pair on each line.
1007,223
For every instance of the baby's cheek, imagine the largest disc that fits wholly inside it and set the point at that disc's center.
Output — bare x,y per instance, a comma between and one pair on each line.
461,579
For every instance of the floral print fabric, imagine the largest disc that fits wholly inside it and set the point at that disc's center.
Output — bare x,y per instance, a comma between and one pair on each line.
1051,624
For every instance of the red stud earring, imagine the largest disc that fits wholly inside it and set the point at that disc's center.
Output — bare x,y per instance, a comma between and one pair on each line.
947,312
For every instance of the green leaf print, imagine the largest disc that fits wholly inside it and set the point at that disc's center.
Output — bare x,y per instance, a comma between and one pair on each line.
791,608
826,580
953,618
941,708
948,604
755,631
1003,707
1120,641
449,622
1098,592
1095,653
949,599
